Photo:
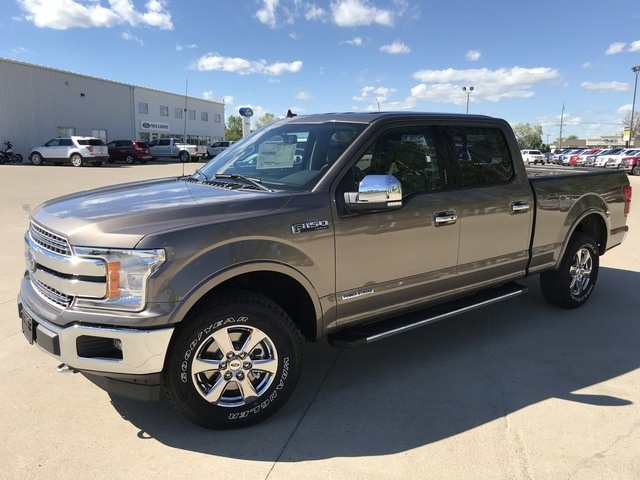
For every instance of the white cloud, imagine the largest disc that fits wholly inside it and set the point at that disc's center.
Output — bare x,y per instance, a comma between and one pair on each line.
625,110
606,86
615,48
395,48
242,66
635,47
293,36
357,41
354,13
267,14
493,85
131,38
182,47
473,55
369,94
315,13
64,14
302,95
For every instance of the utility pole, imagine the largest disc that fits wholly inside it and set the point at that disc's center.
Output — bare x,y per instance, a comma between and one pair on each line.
561,120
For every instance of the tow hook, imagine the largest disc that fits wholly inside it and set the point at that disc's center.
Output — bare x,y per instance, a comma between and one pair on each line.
63,368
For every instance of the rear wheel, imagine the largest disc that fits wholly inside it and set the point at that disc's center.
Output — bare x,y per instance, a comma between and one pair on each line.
36,158
17,158
636,170
572,283
234,362
76,160
184,157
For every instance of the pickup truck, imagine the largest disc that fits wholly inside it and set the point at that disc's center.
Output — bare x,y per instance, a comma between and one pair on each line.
350,226
174,148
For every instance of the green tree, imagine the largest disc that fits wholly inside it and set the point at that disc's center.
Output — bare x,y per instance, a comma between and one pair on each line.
529,136
626,121
233,129
266,118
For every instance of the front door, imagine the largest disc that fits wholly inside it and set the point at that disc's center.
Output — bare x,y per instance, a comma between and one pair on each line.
397,259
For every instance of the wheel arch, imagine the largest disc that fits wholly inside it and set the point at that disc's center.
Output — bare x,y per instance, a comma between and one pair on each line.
593,223
280,283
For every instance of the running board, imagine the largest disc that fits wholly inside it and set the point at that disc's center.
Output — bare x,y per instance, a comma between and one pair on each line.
372,332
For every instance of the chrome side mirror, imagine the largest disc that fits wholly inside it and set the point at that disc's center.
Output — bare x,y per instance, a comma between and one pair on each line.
375,192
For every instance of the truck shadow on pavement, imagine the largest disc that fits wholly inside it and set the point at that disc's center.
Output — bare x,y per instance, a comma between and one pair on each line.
432,383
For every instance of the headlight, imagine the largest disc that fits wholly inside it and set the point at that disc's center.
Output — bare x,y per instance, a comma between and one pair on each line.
127,272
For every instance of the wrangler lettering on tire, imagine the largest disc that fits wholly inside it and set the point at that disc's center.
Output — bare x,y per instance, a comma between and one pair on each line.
234,362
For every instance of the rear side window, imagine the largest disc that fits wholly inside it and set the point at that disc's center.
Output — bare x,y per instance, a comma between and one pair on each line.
95,142
480,155
66,142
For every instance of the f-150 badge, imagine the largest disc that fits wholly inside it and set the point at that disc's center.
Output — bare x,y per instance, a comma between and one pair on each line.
310,226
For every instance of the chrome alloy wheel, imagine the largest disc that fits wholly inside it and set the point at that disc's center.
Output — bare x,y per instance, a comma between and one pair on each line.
580,272
234,366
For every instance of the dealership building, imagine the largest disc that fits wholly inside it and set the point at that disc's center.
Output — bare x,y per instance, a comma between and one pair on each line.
40,103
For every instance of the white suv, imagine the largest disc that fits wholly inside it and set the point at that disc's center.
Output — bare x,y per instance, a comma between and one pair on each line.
75,150
532,156
218,147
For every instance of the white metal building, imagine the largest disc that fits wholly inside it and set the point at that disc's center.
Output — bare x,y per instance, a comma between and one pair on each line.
40,103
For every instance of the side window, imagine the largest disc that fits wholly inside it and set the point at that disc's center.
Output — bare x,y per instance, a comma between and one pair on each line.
111,144
53,143
412,155
164,142
66,142
480,155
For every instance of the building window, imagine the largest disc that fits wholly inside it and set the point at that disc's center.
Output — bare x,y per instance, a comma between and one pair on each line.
65,131
99,133
177,112
164,111
204,117
143,107
217,118
191,114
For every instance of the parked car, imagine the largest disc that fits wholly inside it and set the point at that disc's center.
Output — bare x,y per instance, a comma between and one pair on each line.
532,156
631,165
218,147
75,150
582,158
174,148
593,158
565,158
614,161
130,151
558,152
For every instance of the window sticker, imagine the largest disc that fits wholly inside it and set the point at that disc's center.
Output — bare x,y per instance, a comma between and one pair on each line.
276,155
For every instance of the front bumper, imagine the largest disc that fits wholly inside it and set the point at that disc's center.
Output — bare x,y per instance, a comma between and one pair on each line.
94,348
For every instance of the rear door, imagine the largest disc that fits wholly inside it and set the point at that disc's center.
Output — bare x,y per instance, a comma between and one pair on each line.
495,204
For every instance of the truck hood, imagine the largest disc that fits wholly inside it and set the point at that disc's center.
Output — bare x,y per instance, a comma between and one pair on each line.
120,216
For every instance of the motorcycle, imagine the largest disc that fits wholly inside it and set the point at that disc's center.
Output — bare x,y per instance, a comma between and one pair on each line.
8,156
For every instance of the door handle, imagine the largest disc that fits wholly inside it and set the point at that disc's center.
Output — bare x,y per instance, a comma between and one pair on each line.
445,218
520,207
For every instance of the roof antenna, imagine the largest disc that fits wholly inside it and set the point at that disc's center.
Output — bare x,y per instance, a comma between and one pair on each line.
290,114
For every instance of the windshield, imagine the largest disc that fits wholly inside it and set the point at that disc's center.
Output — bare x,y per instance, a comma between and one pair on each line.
284,156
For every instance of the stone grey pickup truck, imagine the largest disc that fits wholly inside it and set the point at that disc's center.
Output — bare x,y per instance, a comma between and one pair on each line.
349,226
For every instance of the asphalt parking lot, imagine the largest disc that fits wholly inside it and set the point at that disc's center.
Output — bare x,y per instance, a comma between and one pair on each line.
518,390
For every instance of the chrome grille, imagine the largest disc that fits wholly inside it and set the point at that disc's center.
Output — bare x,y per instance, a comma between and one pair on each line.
51,294
49,241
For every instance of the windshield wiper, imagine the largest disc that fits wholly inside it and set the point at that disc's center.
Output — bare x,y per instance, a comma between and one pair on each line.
256,182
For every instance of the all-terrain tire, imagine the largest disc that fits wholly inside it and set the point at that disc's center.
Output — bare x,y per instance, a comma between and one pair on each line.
233,362
571,285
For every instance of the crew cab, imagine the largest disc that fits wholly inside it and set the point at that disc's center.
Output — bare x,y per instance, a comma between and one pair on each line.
175,148
353,227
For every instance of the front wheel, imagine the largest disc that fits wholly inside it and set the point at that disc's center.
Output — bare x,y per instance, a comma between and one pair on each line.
36,158
571,285
76,160
17,158
636,170
234,362
130,159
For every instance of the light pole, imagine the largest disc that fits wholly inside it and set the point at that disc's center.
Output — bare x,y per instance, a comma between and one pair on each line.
636,70
468,92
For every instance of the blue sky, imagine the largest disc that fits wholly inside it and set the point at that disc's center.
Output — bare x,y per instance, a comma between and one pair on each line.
524,58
